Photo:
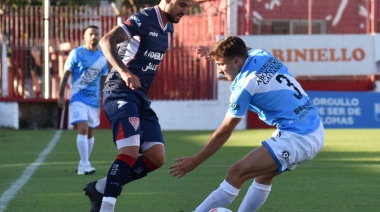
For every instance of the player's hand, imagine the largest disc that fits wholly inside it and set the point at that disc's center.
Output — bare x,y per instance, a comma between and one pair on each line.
61,102
183,166
203,51
131,80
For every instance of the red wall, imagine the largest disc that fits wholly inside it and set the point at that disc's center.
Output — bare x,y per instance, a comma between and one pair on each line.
339,18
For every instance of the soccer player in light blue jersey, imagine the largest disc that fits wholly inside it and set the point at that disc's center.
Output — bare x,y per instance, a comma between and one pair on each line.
262,84
88,69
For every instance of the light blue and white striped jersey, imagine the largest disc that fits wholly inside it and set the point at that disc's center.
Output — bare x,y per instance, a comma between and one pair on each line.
265,87
87,67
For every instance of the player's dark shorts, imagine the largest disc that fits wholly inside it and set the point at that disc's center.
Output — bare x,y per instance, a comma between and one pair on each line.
130,114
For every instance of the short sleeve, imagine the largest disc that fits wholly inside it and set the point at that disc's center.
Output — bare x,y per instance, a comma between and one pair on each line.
105,69
239,102
138,24
70,61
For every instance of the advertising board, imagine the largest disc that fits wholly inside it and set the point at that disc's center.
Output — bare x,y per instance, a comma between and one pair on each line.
323,55
348,109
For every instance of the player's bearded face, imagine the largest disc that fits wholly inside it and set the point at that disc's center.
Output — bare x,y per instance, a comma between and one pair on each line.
177,9
91,37
94,42
172,18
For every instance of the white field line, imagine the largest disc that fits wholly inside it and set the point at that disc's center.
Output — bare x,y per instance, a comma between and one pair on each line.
8,194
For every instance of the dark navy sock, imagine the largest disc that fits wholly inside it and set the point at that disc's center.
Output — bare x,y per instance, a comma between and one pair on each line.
117,174
140,169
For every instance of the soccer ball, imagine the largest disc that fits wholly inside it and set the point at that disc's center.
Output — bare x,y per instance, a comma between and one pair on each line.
220,210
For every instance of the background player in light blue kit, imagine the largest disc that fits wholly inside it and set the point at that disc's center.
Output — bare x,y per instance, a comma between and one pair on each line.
88,68
135,49
262,84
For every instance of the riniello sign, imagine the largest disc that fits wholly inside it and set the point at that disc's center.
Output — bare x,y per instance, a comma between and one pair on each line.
319,55
308,55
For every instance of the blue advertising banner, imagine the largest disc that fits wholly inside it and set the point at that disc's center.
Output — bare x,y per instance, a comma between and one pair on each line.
348,109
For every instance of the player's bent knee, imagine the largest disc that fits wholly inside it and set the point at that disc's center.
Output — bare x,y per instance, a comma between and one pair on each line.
155,152
234,172
238,173
158,161
234,177
161,161
264,179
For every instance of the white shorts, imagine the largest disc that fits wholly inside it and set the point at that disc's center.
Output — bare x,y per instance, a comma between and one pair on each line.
80,112
134,140
290,149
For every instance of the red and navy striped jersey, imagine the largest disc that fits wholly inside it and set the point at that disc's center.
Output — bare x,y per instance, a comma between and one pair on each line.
143,52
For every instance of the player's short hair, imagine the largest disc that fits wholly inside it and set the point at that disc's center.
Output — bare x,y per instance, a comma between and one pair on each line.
229,47
90,27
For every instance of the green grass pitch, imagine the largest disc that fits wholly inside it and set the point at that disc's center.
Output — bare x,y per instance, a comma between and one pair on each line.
345,175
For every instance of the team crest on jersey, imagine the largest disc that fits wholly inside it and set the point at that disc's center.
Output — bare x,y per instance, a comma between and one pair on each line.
81,52
128,23
285,154
135,122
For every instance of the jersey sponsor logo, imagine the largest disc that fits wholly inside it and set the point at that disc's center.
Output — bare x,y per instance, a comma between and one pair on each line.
87,93
268,70
234,106
304,109
154,34
88,77
135,122
121,103
136,20
154,55
307,105
150,67
90,74
88,83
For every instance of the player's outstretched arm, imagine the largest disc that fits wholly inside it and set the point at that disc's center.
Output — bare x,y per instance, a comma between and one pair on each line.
183,166
61,101
186,164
